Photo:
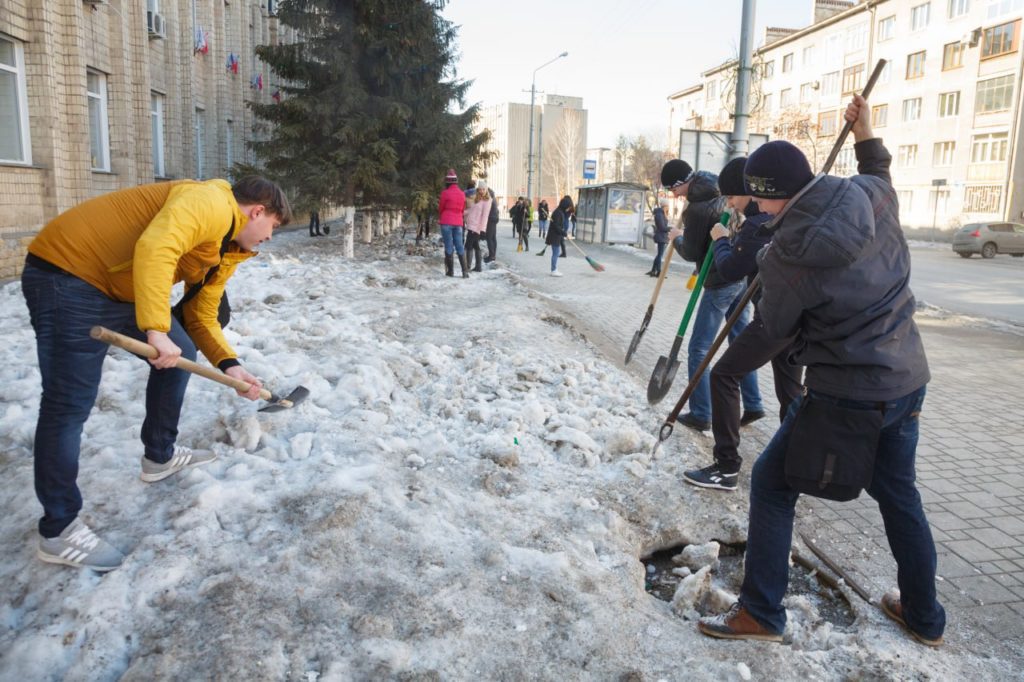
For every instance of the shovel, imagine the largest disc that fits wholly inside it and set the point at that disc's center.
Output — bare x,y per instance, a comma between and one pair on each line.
639,333
275,402
665,369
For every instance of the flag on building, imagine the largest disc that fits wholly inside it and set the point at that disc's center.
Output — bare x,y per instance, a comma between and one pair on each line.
276,96
232,63
202,45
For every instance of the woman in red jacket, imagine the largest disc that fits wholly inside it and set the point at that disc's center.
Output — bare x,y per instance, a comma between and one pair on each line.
450,208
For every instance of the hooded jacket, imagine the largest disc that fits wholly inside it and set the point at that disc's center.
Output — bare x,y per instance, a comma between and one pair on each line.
559,226
736,258
704,206
838,272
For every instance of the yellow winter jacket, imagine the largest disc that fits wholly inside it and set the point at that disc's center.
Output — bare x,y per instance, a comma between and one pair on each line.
134,244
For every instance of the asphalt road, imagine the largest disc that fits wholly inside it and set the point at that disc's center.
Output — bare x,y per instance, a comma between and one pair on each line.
969,286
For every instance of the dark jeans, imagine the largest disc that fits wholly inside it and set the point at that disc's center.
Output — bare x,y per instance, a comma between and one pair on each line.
656,267
749,351
472,249
770,530
492,241
526,237
63,309
314,223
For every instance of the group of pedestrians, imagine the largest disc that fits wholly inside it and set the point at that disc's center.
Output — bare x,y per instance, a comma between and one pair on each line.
474,211
835,299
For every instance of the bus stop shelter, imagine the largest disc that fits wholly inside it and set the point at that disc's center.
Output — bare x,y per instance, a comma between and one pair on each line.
612,213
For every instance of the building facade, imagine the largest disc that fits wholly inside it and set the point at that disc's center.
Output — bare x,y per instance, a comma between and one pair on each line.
99,95
559,148
947,104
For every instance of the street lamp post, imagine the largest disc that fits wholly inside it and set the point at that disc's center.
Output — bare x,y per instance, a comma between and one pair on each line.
529,154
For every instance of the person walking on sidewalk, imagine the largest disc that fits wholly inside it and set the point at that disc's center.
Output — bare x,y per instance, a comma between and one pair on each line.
476,223
450,207
518,215
661,230
492,229
703,209
112,261
736,259
543,213
556,232
314,223
837,274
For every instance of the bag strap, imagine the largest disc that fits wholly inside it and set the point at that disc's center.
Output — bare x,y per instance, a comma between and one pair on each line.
194,289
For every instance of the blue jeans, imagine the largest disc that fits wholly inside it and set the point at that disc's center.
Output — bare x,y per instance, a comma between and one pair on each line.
715,306
543,227
770,531
656,267
63,309
450,234
556,251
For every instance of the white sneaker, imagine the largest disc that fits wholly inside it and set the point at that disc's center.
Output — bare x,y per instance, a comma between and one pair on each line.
182,458
78,546
556,273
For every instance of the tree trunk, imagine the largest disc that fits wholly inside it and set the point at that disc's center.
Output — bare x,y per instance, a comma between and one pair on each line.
348,231
367,227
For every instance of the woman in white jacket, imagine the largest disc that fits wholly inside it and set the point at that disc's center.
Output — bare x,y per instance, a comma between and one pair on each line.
476,224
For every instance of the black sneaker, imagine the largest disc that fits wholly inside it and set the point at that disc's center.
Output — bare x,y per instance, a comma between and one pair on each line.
687,419
751,416
711,477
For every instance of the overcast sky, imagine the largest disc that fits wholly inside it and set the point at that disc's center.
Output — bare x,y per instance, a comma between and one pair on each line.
625,57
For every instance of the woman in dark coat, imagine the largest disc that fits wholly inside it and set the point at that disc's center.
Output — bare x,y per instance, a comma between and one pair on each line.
661,230
557,231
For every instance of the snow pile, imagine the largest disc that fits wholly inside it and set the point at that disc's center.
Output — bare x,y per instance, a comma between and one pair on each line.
465,494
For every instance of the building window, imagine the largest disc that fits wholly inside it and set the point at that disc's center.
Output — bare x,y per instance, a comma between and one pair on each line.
912,109
998,8
807,56
229,141
156,116
879,116
787,63
830,83
906,156
886,28
943,153
846,162
919,16
833,48
915,65
989,148
711,90
768,69
952,56
905,198
1000,40
958,8
806,92
99,133
199,129
857,37
853,76
949,104
14,130
827,124
994,94
786,98
982,199
766,104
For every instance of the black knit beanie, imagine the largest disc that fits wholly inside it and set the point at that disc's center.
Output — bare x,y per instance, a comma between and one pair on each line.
730,180
675,172
776,170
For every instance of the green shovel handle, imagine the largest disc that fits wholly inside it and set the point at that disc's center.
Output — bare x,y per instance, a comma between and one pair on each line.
695,294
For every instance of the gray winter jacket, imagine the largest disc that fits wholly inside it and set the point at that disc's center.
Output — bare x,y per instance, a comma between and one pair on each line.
837,271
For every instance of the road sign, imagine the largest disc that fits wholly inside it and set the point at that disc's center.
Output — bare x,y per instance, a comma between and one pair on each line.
589,169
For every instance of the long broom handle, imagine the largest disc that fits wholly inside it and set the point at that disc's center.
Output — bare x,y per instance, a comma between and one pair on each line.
147,351
666,428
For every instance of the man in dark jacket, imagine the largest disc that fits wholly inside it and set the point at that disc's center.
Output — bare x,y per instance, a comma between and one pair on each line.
661,230
704,207
517,213
735,259
492,229
837,274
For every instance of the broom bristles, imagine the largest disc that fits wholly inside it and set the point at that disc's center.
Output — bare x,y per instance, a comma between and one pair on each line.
594,264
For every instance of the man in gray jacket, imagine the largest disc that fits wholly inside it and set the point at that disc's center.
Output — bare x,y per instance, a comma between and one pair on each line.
837,274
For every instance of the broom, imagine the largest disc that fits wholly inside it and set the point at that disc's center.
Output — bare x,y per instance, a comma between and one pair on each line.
593,263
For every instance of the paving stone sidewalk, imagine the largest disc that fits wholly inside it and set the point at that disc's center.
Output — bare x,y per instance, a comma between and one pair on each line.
970,460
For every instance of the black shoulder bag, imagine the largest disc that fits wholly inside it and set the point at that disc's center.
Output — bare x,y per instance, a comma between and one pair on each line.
831,451
224,309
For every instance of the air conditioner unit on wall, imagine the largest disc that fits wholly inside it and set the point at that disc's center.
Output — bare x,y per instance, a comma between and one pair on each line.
973,38
156,26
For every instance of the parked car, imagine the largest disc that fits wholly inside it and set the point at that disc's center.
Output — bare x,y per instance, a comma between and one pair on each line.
988,239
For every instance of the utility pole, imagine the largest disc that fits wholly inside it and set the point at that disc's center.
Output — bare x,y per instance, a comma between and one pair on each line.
529,155
741,117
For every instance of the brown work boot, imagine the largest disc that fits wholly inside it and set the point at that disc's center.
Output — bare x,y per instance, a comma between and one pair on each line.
736,623
893,608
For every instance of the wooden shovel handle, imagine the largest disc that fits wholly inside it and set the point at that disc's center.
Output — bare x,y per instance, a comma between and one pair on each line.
147,351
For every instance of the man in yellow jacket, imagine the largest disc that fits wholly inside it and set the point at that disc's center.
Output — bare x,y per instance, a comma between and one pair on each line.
112,261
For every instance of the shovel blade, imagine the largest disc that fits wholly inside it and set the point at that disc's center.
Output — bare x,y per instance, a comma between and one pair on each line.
277,403
634,344
661,379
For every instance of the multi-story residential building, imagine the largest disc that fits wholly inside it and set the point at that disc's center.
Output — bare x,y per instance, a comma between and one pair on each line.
611,165
99,95
948,103
559,148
